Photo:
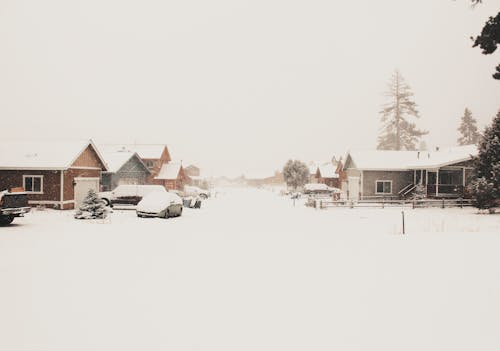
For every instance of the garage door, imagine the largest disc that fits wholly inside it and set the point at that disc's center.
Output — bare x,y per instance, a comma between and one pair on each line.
82,187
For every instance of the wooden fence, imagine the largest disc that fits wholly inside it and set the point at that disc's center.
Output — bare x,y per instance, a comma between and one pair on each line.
423,203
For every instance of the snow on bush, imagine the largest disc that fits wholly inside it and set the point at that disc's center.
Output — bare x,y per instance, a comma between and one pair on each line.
92,207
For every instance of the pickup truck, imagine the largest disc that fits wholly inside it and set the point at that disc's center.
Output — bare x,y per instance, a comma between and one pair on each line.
12,204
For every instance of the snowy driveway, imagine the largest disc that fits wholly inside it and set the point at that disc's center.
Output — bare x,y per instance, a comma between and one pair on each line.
251,272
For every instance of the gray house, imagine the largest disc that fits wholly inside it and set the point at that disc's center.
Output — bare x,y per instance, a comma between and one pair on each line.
124,167
372,174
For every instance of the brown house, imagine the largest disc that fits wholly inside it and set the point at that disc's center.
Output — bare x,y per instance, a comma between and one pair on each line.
55,174
373,174
172,176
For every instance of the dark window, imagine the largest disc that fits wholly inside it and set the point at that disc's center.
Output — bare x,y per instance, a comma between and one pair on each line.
33,184
383,187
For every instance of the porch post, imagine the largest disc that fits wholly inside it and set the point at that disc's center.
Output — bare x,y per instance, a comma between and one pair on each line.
414,176
437,182
463,177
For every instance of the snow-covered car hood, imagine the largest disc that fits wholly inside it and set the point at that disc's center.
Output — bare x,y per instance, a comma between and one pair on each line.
158,201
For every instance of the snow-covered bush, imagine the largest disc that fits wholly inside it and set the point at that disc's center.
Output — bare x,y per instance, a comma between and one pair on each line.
484,194
92,207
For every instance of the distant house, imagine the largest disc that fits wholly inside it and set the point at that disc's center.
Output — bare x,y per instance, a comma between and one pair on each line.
276,179
56,174
194,174
192,170
395,174
330,173
123,168
172,176
326,173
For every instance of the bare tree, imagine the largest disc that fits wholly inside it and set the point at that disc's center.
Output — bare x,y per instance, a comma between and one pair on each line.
397,131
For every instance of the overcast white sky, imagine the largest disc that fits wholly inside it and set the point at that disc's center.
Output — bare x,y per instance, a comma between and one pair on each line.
238,86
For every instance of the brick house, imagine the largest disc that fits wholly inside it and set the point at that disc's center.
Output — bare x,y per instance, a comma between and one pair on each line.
55,174
172,176
396,174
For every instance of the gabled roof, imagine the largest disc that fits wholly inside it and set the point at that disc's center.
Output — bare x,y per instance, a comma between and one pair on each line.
327,170
404,160
145,151
169,171
116,160
43,155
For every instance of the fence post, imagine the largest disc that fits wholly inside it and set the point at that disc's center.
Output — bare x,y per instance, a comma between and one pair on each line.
321,204
442,204
403,216
413,204
351,204
461,203
383,202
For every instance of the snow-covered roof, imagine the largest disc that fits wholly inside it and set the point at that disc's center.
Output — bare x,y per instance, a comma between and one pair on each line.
145,151
116,160
327,170
443,158
51,155
404,160
169,171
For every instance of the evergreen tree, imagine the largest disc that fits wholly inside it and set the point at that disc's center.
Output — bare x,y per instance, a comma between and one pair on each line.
92,207
468,129
398,131
296,173
485,187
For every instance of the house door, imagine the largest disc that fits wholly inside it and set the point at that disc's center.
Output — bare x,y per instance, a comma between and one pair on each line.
353,188
82,187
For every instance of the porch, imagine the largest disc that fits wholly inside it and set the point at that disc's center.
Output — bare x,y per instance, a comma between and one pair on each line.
446,182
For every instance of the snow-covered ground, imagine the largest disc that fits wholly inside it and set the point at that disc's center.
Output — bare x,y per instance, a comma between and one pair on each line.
249,271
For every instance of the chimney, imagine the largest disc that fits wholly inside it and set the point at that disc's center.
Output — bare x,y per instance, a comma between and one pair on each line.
418,155
437,148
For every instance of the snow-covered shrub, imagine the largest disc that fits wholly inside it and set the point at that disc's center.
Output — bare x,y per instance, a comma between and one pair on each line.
92,207
484,194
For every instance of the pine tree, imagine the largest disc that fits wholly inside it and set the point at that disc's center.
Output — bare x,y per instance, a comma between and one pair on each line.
485,187
468,129
398,131
296,173
92,207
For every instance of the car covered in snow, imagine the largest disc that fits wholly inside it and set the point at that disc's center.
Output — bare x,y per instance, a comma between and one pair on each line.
190,190
160,204
12,205
129,194
320,188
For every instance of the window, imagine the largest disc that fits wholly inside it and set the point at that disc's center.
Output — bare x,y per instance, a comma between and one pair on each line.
149,164
383,187
33,183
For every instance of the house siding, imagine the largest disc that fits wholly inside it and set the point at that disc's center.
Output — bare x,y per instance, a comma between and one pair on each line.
88,158
51,183
400,179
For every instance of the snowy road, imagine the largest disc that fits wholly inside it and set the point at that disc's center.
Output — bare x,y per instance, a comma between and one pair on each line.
251,272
